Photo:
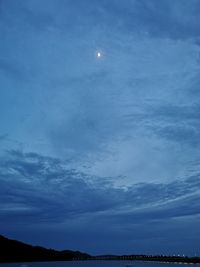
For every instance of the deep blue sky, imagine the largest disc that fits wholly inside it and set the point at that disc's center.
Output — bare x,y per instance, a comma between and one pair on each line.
101,154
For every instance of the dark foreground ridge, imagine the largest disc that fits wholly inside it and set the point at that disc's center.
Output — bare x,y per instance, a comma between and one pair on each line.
15,251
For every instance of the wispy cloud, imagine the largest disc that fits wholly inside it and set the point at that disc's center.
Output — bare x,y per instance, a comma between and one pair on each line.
45,186
42,194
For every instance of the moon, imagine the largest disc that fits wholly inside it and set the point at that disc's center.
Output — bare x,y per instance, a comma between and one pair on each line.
98,54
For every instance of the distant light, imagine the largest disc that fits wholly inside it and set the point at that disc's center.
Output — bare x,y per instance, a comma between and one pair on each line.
98,54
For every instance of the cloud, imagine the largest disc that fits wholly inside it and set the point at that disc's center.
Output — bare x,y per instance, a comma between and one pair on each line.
29,179
45,195
176,20
3,137
120,135
10,69
177,123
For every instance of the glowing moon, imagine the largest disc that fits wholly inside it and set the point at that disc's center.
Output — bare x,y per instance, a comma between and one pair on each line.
98,54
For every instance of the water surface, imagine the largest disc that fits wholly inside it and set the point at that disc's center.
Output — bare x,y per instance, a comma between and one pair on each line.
91,264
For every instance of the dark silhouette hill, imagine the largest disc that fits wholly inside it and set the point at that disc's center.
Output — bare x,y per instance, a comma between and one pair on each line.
15,251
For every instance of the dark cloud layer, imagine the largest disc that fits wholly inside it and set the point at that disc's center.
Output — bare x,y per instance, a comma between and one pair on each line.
37,190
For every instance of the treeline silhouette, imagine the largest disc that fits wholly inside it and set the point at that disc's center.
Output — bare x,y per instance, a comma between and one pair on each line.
15,251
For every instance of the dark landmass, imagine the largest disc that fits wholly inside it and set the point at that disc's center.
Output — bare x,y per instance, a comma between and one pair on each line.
15,251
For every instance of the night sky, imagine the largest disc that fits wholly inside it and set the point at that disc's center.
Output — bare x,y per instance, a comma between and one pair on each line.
100,124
